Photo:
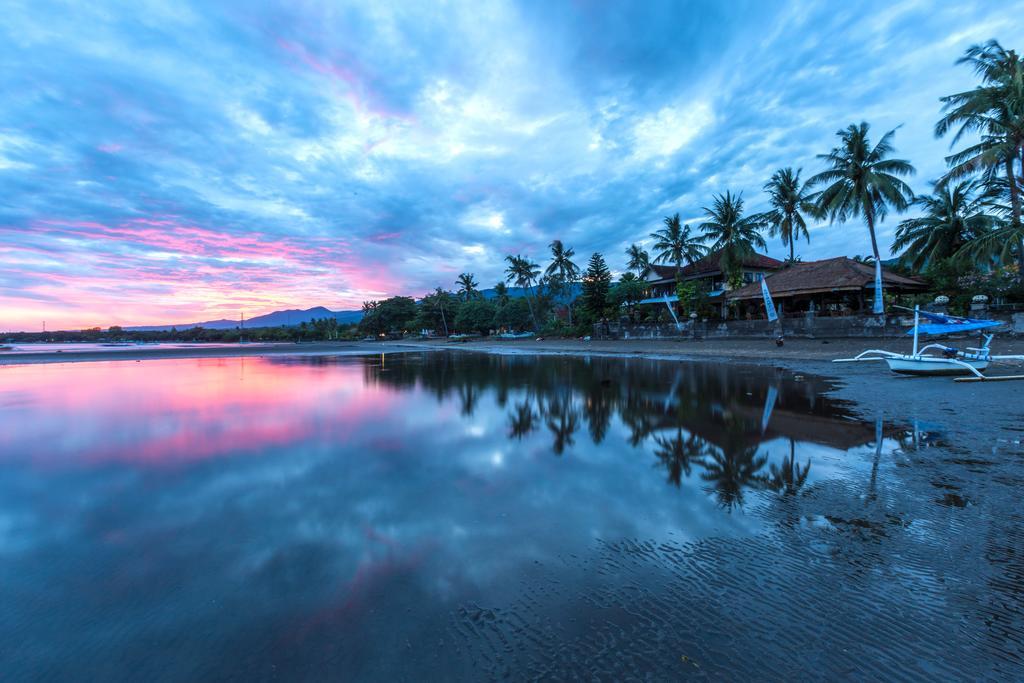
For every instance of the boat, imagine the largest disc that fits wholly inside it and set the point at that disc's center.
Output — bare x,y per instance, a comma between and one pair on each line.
938,359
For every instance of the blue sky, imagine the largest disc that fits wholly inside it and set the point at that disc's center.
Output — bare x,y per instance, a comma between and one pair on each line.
176,161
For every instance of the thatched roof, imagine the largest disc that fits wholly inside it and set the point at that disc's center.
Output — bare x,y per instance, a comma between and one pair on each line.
709,266
839,274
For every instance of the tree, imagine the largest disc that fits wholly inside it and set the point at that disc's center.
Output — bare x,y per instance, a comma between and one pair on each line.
468,287
994,110
562,271
675,245
952,216
731,234
514,314
390,315
862,180
597,282
523,272
628,292
639,260
500,294
437,311
475,316
790,202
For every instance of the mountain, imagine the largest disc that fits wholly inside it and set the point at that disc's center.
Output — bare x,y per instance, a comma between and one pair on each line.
276,319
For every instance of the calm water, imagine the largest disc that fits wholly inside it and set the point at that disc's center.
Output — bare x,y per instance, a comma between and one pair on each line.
440,516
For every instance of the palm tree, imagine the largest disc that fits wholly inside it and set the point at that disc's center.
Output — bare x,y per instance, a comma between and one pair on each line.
678,454
468,287
862,180
523,272
562,269
522,421
953,216
501,294
731,234
563,421
675,245
790,201
995,110
639,260
791,476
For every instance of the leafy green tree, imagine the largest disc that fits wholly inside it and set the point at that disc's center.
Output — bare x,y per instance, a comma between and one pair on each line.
675,245
597,282
523,273
790,201
437,311
952,216
468,287
731,234
475,316
514,315
862,180
995,111
396,314
639,260
628,292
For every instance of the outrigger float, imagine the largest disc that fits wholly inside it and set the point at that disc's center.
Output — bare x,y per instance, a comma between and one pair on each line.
944,360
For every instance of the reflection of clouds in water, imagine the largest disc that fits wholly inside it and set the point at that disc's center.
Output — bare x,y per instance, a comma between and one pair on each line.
366,478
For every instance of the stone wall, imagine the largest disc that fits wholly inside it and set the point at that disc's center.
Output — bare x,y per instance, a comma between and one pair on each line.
807,327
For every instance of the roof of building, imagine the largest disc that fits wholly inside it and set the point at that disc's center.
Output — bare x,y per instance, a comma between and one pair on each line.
709,266
830,275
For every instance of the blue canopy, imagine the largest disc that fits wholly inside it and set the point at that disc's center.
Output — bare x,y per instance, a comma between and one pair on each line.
949,324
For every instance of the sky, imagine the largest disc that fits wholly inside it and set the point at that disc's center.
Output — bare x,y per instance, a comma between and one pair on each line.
179,161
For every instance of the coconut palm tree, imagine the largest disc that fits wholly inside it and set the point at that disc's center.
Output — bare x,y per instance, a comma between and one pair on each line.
468,287
678,454
562,270
675,245
522,421
995,111
563,421
789,477
730,233
952,216
639,260
862,180
524,273
790,201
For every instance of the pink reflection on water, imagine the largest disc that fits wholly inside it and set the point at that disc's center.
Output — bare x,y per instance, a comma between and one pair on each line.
178,411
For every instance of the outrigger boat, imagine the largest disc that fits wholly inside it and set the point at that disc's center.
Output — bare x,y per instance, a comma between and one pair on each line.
943,360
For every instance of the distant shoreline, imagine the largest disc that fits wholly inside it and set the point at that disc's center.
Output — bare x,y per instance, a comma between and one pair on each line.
139,353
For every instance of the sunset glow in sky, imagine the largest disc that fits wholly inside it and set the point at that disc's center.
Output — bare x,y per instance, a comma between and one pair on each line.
174,161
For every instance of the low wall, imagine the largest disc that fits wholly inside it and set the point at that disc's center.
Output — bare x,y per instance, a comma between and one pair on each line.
808,327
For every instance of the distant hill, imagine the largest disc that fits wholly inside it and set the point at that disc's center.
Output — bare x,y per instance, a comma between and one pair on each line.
275,319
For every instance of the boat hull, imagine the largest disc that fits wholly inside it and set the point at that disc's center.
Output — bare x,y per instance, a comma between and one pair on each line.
933,366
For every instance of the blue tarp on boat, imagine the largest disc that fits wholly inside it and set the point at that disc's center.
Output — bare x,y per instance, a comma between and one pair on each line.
949,324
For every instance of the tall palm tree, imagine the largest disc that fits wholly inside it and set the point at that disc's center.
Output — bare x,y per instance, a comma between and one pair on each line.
562,270
522,421
524,273
563,421
995,110
789,477
468,287
639,260
732,234
952,216
678,454
675,245
790,202
862,180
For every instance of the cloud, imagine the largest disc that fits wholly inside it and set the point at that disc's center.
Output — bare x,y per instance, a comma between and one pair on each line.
407,142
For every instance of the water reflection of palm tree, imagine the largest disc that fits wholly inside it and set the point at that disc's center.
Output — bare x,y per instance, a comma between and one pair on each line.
730,471
790,477
678,453
468,395
563,421
522,420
